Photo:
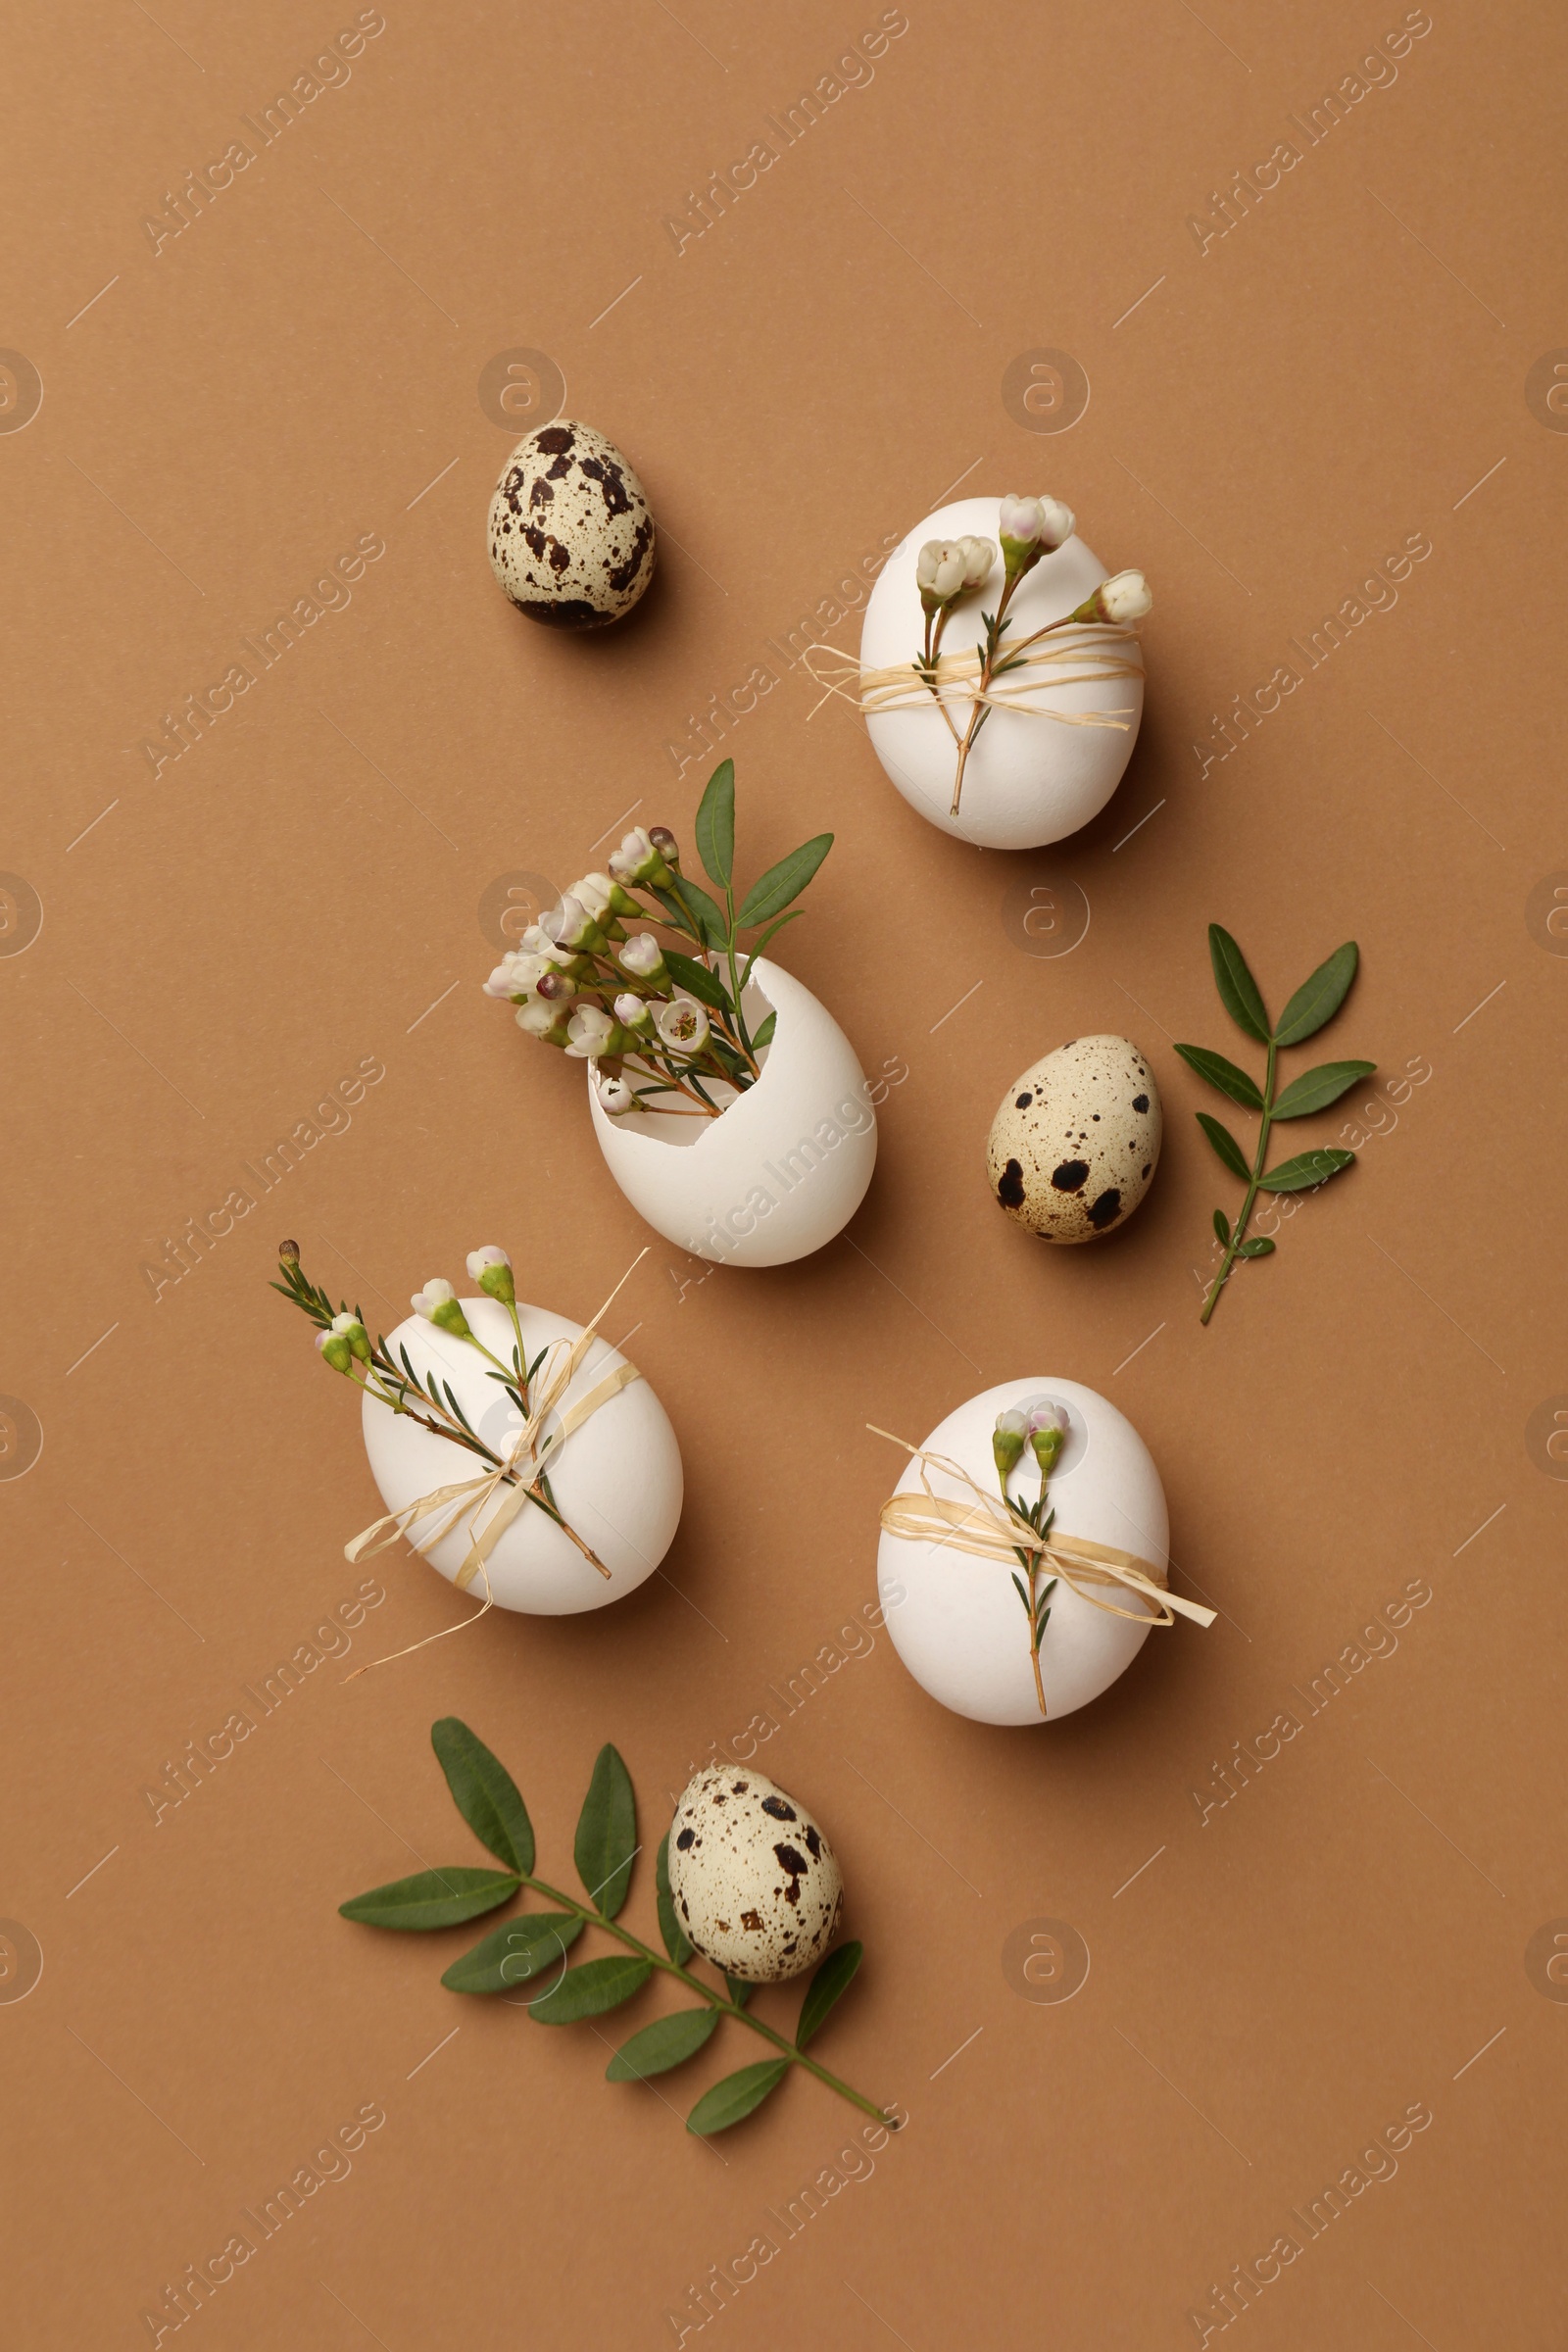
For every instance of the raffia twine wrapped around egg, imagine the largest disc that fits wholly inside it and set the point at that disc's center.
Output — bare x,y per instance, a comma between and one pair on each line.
955,1619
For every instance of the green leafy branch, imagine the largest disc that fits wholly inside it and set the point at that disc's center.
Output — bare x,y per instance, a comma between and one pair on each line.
1314,1004
533,1946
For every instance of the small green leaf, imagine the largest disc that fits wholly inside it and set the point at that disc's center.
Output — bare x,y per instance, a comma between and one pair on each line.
606,1833
736,2097
1307,1169
716,824
675,1942
1237,990
697,980
773,891
702,910
533,1944
1225,1143
763,1035
484,1793
1258,1247
591,1989
1222,1226
1319,999
669,2041
832,1979
432,1898
1316,1089
1222,1074
739,1990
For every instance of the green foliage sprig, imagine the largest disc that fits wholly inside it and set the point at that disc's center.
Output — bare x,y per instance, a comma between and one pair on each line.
533,1944
665,1026
1314,1004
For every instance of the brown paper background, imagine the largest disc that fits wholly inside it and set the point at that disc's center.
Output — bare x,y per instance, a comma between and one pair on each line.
299,891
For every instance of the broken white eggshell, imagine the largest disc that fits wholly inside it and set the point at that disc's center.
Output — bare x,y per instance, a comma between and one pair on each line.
617,1479
786,1165
755,1882
957,1623
1029,779
570,531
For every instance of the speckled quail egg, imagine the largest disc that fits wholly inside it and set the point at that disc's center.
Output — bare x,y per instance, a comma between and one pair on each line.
754,1880
1077,1140
571,533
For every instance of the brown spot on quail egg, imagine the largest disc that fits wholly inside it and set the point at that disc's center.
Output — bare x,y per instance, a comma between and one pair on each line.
1077,1140
570,535
754,1882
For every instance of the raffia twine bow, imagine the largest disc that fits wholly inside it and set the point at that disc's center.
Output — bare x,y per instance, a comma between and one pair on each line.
506,1484
986,1529
904,686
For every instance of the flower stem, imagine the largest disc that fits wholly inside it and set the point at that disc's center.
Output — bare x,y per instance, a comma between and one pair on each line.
1239,1230
715,2000
981,710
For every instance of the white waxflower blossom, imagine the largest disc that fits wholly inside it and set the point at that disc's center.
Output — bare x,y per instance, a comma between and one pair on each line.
979,561
939,570
641,956
480,1260
1125,598
589,1032
617,1097
682,1025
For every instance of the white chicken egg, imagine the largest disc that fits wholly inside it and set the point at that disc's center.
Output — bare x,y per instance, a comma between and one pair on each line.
957,1622
1076,1143
571,533
755,1882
